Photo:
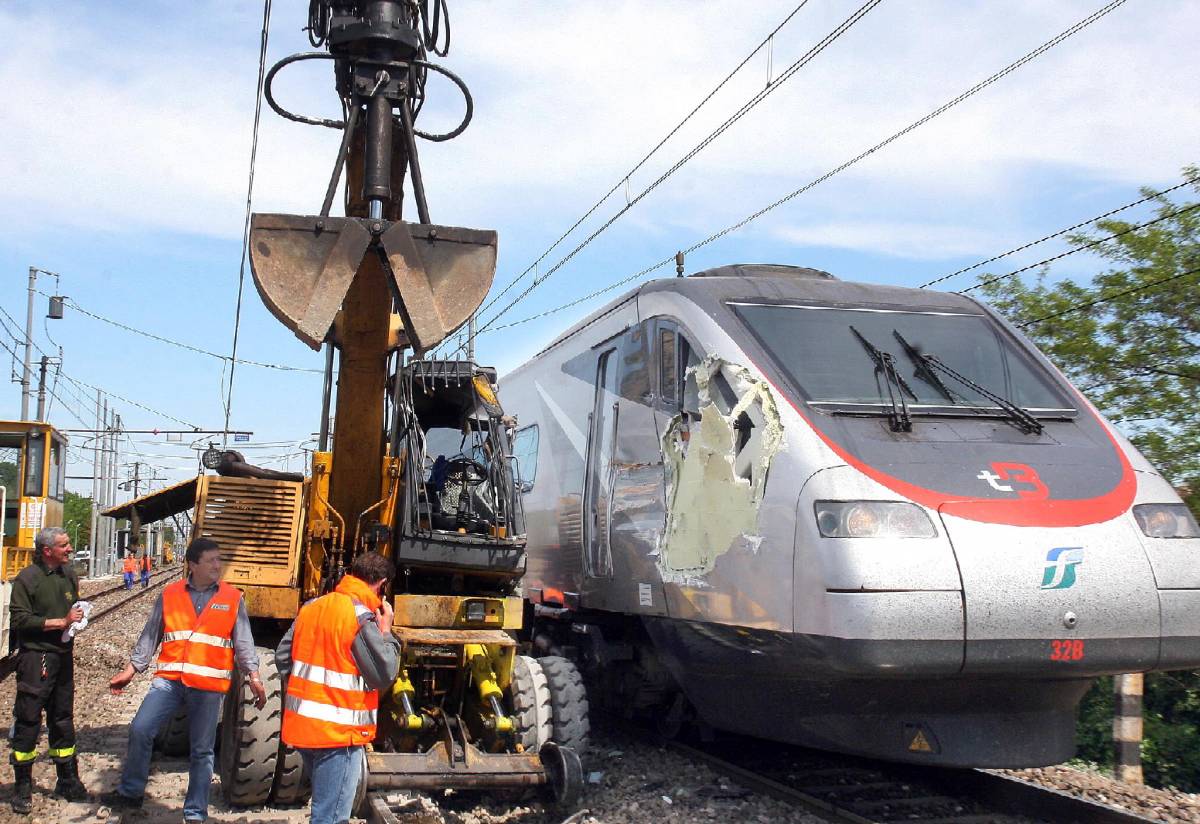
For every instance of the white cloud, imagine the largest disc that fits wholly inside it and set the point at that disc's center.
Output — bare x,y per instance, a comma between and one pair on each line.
569,95
918,241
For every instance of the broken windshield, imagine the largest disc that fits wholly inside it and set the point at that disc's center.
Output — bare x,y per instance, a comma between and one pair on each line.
818,349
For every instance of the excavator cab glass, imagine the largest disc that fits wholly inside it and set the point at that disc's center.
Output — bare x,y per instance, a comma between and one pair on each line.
461,514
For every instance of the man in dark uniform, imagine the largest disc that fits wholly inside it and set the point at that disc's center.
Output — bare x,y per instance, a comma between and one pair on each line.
41,609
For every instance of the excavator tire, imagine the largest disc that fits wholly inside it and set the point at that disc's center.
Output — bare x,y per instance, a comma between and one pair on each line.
291,785
568,704
173,739
250,736
531,703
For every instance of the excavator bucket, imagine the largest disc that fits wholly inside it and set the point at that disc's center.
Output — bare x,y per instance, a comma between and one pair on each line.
303,267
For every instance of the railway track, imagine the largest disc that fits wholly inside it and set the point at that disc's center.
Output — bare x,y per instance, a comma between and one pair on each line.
157,580
847,789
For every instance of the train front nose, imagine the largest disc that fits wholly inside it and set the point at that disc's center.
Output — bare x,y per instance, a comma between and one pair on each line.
1071,601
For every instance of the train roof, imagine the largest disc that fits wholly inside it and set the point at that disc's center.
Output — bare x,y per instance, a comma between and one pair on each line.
712,288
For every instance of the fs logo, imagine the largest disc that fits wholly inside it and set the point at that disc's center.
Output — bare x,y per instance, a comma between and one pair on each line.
1059,572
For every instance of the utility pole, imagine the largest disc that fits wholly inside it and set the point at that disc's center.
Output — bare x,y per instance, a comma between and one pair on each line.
26,389
41,413
92,568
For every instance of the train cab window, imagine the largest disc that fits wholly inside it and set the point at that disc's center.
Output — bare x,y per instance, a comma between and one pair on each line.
525,450
35,462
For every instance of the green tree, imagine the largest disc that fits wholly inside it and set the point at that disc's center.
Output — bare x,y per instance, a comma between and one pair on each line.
1129,339
77,518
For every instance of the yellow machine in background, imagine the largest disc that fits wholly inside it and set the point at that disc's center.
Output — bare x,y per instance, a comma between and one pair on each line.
33,468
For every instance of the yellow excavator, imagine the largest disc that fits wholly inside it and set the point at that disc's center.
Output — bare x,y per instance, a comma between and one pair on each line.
418,465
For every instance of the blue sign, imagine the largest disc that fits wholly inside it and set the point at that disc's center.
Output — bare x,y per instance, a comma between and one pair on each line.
241,437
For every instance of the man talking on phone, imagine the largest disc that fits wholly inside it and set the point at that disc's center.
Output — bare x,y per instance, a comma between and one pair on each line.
337,657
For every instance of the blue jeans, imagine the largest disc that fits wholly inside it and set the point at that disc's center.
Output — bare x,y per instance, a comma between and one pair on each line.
128,580
335,773
162,701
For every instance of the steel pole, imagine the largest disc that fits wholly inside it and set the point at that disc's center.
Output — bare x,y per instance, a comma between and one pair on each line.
92,568
26,389
41,413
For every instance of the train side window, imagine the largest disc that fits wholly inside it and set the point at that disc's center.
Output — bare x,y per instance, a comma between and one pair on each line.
10,469
525,450
689,358
57,470
668,370
35,464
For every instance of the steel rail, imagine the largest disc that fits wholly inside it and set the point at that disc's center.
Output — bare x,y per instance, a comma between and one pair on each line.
1007,796
168,576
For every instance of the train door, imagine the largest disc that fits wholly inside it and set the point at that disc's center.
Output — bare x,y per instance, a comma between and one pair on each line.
602,432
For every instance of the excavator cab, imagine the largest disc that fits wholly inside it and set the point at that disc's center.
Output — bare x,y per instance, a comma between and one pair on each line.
460,523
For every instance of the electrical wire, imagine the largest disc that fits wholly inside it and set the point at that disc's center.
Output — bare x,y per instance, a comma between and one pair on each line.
189,347
1107,298
978,87
237,315
1082,224
625,179
1082,247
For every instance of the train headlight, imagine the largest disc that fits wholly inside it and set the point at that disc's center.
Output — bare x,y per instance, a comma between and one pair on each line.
872,519
1166,521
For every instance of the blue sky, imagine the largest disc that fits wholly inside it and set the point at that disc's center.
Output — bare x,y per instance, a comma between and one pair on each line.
125,136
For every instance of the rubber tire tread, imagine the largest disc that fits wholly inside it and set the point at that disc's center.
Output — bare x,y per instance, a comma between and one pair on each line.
568,702
531,703
250,738
173,739
292,786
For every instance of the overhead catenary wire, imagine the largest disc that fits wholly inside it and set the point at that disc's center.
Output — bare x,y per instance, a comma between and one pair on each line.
833,35
1110,297
189,347
1080,225
624,179
978,87
237,314
1081,247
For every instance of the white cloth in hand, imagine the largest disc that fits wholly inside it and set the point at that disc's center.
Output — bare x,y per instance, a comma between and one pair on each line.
70,631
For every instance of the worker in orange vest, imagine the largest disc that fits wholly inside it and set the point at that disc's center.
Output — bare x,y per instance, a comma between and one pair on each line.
146,563
337,656
130,568
204,630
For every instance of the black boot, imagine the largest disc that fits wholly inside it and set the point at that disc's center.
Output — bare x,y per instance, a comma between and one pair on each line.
22,799
69,787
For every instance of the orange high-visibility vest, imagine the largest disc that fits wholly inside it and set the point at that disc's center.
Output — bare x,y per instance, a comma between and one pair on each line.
130,564
146,563
328,704
198,648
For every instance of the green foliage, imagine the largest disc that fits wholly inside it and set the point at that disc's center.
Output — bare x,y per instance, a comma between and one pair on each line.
77,518
1093,732
1135,353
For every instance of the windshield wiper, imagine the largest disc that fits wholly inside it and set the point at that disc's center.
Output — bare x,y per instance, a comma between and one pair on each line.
1023,420
924,371
898,418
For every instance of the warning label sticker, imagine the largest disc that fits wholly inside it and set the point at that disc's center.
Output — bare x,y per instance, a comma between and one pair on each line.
920,739
645,596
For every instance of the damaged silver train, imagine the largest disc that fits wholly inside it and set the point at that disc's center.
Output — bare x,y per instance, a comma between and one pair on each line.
857,517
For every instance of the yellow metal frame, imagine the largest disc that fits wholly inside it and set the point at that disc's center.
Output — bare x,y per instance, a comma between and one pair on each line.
34,512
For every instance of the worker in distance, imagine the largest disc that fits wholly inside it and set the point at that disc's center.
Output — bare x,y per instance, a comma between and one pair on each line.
337,657
203,627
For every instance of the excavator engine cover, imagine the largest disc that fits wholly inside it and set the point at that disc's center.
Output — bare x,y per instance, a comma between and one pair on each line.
303,267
